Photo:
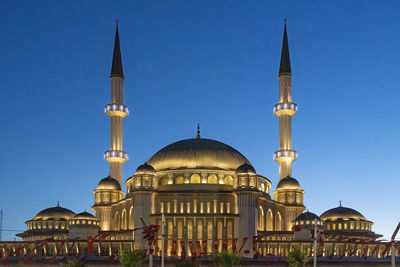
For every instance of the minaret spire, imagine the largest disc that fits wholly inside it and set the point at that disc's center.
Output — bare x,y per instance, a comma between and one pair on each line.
285,109
116,68
117,111
285,58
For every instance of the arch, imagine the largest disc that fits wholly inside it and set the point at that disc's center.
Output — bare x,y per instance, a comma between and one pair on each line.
170,231
179,180
262,187
130,219
260,219
228,180
164,180
117,221
270,221
278,222
195,179
123,220
212,179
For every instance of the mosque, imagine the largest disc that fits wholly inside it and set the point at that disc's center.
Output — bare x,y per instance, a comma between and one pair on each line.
207,191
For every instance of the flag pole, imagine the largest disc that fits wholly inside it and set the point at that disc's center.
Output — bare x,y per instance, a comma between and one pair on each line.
162,239
315,243
393,248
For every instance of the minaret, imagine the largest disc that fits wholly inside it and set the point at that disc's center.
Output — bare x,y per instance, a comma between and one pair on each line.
117,111
285,109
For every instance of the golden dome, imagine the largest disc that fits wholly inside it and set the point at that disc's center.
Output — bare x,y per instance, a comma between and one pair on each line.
342,213
55,213
85,216
197,153
108,183
288,183
145,169
245,169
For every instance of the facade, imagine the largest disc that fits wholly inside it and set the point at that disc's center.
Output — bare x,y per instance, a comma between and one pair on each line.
207,191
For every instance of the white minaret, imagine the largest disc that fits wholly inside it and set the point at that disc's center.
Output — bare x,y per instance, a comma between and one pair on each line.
285,109
117,111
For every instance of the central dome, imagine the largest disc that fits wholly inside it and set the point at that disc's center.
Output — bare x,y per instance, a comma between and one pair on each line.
197,153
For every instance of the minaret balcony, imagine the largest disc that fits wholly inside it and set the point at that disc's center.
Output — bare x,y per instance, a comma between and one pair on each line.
116,156
288,108
116,110
285,155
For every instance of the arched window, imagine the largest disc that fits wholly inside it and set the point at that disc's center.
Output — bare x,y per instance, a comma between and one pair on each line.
179,180
199,229
117,221
278,222
263,187
228,180
170,230
195,179
260,217
164,180
190,229
212,179
123,220
270,221
130,219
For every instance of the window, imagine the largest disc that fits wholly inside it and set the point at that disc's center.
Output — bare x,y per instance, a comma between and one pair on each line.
181,207
195,206
188,207
208,207
179,180
221,207
228,180
263,187
195,179
215,206
199,230
168,207
212,179
228,207
201,207
175,205
162,207
163,180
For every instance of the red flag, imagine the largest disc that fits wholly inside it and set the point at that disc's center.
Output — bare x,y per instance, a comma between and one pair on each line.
254,243
183,250
204,247
225,244
268,257
216,243
4,257
234,242
256,255
246,251
198,245
173,248
191,250
243,243
89,246
297,228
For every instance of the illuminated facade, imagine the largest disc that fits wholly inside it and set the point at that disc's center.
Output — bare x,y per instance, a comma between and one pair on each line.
206,189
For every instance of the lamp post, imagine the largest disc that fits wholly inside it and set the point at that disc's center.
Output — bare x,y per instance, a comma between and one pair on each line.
393,248
315,242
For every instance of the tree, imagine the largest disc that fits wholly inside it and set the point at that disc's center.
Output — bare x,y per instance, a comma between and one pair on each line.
73,263
226,258
297,257
131,258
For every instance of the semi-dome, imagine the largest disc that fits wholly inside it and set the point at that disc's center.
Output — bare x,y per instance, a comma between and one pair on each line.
245,168
108,183
55,213
288,183
145,169
85,216
342,213
197,153
307,216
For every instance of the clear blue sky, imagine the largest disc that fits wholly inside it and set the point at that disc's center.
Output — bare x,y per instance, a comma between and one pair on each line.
213,62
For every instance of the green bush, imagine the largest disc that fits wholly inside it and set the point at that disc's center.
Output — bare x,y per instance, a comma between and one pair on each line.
297,257
131,258
226,258
187,264
73,263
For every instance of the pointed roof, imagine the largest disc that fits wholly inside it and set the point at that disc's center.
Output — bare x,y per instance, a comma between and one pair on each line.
285,59
116,69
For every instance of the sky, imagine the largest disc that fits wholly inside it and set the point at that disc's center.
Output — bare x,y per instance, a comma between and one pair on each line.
208,62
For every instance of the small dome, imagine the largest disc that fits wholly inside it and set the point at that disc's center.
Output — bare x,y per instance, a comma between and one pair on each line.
109,183
245,168
307,216
85,216
288,183
342,213
145,169
55,213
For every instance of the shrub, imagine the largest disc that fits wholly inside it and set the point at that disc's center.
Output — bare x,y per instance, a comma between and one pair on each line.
131,258
73,263
226,258
297,257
